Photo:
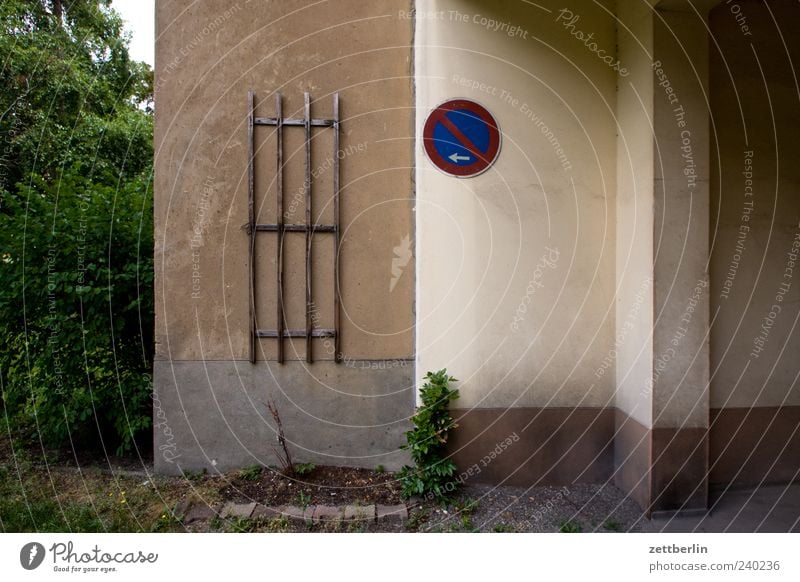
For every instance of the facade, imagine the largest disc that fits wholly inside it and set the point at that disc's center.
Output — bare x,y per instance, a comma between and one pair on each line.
617,294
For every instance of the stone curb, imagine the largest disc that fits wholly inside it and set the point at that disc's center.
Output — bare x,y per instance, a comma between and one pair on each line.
265,512
198,512
392,513
292,513
360,513
190,512
326,513
237,510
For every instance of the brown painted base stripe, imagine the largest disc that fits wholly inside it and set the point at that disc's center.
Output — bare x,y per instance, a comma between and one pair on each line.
526,446
749,446
679,478
632,458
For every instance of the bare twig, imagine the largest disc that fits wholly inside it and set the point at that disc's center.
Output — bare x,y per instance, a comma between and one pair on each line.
284,457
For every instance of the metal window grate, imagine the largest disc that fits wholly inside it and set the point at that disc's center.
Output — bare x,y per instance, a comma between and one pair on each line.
309,228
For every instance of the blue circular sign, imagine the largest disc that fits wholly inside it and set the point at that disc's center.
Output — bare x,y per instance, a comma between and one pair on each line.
461,138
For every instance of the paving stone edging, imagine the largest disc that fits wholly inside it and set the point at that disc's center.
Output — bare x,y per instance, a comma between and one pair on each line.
190,512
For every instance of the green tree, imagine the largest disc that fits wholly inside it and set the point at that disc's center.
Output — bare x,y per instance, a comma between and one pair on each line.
76,227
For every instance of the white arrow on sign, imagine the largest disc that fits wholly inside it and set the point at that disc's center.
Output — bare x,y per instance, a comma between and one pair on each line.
455,158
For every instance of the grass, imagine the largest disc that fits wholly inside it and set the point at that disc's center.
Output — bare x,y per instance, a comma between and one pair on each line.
570,526
35,497
64,505
251,473
242,525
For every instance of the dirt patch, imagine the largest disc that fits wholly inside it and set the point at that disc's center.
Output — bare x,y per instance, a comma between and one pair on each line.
320,486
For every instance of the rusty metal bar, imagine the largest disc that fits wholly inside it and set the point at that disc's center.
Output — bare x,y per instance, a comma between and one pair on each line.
251,223
336,327
309,232
279,225
296,228
293,122
295,333
281,229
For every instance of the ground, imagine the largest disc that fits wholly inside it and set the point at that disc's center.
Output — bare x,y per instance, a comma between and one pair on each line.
59,494
62,494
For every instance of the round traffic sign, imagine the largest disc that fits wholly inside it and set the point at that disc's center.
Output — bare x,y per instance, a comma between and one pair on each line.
461,138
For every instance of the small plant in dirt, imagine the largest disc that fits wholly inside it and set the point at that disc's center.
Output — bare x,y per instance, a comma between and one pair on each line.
467,523
356,527
570,526
503,528
433,471
194,476
612,525
418,518
241,525
304,468
278,524
251,473
380,469
464,510
303,499
167,522
215,523
467,506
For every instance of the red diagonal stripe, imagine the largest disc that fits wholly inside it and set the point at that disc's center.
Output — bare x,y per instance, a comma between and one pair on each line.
458,134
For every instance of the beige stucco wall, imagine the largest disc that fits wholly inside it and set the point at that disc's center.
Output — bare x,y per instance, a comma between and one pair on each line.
515,271
756,119
210,402
208,55
633,349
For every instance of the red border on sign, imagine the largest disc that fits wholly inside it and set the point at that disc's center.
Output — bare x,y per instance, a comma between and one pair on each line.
484,159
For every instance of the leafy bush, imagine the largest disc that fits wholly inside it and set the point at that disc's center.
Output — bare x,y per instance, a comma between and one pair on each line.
76,226
433,471
76,310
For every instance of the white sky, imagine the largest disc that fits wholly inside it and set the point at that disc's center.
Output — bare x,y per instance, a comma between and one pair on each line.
140,22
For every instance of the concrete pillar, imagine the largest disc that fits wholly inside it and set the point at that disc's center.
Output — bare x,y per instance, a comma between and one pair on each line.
661,445
633,345
680,402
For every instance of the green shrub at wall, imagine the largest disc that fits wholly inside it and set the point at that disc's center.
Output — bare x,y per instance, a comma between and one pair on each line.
433,473
76,226
76,310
